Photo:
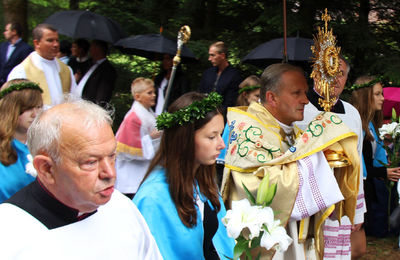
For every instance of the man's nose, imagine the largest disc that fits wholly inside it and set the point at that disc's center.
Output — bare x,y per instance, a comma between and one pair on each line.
107,168
304,99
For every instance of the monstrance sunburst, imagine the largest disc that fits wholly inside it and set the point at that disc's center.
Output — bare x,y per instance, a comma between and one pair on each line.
326,64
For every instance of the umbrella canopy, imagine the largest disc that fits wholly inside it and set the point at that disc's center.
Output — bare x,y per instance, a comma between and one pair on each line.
152,46
85,24
298,49
392,99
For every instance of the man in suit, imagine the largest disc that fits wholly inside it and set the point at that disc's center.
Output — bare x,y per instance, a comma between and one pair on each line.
98,82
221,77
13,51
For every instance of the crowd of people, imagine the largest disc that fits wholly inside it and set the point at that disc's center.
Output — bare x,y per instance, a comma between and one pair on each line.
161,186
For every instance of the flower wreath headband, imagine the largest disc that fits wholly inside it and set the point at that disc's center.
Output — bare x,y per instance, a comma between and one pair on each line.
249,88
20,86
196,110
379,79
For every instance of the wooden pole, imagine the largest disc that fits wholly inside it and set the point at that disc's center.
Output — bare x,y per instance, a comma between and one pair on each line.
285,57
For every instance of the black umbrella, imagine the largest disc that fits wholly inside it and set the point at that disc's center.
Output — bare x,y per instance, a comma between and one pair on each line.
152,46
85,24
298,50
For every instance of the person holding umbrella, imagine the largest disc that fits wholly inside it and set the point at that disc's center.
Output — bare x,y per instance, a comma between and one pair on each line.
80,61
98,82
42,66
222,77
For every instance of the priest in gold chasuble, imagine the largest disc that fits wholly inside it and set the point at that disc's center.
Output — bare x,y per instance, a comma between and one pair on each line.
264,140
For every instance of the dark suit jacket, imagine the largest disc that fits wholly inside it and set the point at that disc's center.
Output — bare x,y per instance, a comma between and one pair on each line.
101,83
227,86
21,51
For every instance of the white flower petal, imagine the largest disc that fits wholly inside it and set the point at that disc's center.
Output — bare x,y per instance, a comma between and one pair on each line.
243,215
388,129
29,168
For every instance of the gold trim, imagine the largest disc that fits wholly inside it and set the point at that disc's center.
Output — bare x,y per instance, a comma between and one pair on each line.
123,148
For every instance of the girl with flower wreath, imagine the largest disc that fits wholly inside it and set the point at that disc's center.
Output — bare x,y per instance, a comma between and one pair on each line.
367,97
249,91
20,101
179,197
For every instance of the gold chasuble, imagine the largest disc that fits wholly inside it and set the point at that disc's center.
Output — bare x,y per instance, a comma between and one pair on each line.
258,145
37,75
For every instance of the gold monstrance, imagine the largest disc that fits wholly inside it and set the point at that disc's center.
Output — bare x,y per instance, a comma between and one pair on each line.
325,71
326,64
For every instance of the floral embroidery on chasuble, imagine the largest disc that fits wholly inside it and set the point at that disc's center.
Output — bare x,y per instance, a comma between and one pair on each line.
257,145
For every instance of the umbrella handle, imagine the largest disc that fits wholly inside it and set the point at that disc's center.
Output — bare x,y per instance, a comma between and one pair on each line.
183,36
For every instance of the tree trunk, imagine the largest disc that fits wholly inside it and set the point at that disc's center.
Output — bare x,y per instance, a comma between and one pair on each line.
17,11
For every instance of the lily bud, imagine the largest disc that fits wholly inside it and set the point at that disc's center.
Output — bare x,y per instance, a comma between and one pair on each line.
270,194
262,191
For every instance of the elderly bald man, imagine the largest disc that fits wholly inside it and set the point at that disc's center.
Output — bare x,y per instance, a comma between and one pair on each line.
71,211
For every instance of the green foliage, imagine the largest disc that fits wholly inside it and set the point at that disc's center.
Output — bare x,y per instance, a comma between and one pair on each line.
367,31
195,111
20,86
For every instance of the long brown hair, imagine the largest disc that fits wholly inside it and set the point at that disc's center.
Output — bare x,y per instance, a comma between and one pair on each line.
12,106
362,99
177,156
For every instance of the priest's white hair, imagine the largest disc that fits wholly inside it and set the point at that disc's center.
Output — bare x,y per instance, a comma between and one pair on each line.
45,131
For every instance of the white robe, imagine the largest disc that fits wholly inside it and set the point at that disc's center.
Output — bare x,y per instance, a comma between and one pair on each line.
116,231
51,70
337,236
132,168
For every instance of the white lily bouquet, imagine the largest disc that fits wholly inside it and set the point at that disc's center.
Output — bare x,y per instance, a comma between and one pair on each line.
254,224
390,134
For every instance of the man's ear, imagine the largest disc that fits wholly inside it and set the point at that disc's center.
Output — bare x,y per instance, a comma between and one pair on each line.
223,53
44,166
270,97
35,43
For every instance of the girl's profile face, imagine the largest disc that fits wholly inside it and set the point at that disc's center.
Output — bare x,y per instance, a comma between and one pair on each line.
253,95
378,98
208,141
26,119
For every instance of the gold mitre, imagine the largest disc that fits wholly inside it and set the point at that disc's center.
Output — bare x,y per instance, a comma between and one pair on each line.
326,64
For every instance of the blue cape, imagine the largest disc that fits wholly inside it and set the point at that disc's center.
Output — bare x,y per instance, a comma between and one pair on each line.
174,239
380,152
13,177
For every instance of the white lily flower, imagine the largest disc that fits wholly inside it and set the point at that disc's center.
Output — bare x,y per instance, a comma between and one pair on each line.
388,129
276,236
243,215
396,131
29,166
